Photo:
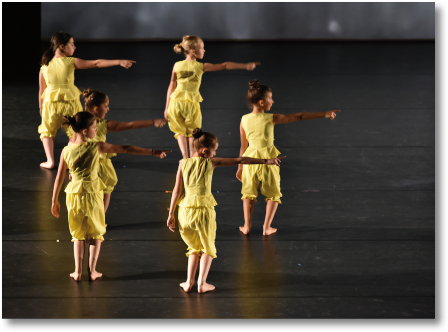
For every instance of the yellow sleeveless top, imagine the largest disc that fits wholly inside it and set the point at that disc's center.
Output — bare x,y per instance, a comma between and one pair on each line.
259,131
99,137
83,162
189,77
59,76
197,173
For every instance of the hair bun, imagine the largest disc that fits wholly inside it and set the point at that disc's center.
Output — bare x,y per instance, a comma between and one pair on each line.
197,133
254,85
86,93
178,48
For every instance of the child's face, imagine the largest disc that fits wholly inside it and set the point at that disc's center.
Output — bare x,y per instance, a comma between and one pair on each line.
69,48
91,131
267,102
199,51
210,153
100,112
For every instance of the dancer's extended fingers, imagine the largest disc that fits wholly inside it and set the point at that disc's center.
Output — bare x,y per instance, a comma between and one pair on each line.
167,150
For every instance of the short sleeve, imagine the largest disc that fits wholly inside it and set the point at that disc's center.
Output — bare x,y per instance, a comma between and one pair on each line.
200,66
70,61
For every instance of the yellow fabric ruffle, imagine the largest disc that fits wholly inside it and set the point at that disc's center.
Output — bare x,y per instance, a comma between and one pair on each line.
58,93
194,97
82,186
196,201
263,153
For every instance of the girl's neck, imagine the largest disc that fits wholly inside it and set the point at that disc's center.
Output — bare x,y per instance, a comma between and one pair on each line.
59,54
80,139
190,58
257,110
196,154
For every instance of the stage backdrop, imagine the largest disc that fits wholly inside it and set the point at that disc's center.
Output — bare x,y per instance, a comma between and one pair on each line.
240,21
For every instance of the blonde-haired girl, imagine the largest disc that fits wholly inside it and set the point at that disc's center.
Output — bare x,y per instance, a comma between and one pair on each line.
182,108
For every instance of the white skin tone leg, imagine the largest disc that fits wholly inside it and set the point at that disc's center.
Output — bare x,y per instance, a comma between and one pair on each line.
248,207
193,263
48,144
190,145
78,247
183,145
80,138
264,105
206,260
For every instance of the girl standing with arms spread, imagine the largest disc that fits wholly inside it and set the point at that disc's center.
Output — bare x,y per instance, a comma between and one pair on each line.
85,192
97,103
58,95
257,141
182,108
197,217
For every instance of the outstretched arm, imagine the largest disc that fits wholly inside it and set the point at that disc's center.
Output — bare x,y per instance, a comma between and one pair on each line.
104,147
101,63
217,162
171,88
60,177
42,87
122,126
171,222
288,118
244,145
230,65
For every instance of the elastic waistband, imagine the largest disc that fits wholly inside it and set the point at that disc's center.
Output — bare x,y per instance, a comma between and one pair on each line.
261,143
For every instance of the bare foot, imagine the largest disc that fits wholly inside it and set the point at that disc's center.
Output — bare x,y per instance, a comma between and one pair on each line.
245,230
186,286
47,164
205,288
95,275
76,276
269,231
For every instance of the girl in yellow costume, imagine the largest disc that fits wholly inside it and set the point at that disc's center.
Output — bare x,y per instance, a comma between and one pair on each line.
97,103
58,95
197,217
85,191
182,108
257,141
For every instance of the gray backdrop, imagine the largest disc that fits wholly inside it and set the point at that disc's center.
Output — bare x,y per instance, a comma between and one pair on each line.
240,20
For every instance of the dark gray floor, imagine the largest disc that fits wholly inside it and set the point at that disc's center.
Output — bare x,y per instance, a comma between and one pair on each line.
356,227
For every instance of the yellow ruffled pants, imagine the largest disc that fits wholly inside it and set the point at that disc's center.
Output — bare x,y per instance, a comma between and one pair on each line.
268,175
184,117
197,227
53,113
86,217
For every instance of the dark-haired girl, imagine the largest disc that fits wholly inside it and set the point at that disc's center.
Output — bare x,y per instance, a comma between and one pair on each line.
197,217
182,108
97,103
58,95
85,190
257,141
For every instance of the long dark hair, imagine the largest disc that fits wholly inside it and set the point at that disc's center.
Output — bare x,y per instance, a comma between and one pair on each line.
80,121
58,39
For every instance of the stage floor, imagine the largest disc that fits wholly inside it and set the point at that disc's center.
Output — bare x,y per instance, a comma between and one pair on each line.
356,230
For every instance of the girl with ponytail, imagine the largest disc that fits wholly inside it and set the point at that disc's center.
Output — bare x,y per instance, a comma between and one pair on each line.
257,141
85,191
182,108
197,217
58,95
97,103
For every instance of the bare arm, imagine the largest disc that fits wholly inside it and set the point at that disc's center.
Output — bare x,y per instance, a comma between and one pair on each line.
122,126
244,145
60,177
288,118
171,88
230,66
177,191
89,64
42,87
217,162
104,147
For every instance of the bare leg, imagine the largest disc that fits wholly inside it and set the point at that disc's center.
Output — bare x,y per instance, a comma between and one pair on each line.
206,261
48,143
248,207
190,145
106,202
78,247
271,208
193,262
94,251
183,145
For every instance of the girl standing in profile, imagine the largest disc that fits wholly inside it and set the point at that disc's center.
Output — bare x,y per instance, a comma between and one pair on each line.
58,95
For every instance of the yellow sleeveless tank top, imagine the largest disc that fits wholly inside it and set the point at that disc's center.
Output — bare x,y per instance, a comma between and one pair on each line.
59,76
197,173
259,130
83,162
189,77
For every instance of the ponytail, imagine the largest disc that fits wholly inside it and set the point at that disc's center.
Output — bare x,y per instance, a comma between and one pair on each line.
58,39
